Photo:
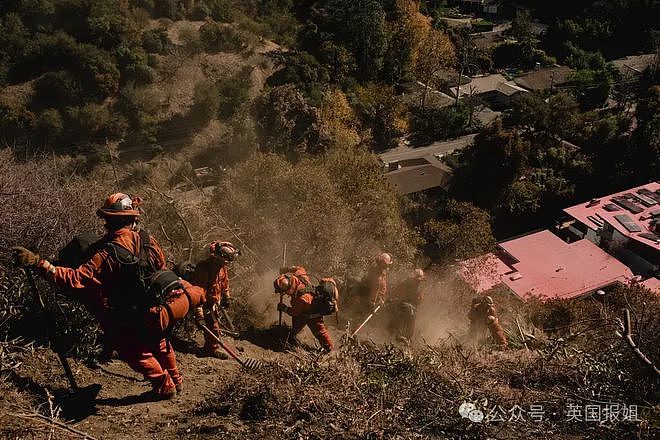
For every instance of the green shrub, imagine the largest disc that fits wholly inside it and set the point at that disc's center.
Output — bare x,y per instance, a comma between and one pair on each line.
233,92
95,121
206,100
156,40
220,10
57,89
200,12
167,9
49,126
134,65
216,37
190,38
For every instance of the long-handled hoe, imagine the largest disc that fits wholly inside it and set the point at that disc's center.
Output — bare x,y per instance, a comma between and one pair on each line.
248,363
371,315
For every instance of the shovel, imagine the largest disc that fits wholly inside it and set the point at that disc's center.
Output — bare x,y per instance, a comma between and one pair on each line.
80,401
248,363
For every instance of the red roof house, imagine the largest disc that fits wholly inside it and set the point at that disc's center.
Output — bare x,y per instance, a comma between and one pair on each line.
626,224
541,265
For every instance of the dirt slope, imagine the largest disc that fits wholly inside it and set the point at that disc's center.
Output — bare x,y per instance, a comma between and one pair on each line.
120,413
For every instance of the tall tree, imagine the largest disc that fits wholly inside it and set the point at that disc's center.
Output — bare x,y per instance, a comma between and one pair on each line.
435,52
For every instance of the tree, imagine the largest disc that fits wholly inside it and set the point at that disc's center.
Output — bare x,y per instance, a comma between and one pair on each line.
435,51
433,123
592,87
460,231
554,117
339,121
521,28
406,27
361,26
286,123
384,115
495,159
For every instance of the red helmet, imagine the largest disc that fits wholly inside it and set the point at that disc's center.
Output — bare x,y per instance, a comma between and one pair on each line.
224,249
384,259
282,283
119,205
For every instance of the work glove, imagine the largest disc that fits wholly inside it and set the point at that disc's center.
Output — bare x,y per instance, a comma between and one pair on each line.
24,257
199,316
225,303
281,307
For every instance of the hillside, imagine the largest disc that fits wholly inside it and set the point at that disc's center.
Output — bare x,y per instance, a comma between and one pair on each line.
276,125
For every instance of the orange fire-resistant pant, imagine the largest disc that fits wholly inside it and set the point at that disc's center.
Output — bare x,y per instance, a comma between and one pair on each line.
317,327
497,332
154,359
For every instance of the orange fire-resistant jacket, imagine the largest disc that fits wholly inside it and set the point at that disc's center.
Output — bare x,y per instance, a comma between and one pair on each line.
212,275
376,280
99,276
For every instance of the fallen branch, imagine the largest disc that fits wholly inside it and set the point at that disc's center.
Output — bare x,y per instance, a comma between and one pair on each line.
522,336
627,336
47,420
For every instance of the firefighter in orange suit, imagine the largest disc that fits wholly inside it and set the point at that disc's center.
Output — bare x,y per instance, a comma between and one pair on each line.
297,286
212,274
137,335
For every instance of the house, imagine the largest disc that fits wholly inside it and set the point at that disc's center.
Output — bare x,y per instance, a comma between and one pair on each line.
494,89
544,79
412,93
626,224
412,170
485,6
636,64
543,266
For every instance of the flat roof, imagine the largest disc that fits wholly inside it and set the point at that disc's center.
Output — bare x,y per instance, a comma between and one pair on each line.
481,84
635,63
419,178
543,266
399,154
544,78
608,209
653,284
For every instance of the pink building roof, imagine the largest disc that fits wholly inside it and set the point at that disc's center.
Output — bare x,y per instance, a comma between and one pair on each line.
653,284
608,209
543,266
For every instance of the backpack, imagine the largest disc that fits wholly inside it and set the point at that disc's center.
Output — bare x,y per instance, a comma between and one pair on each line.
185,269
326,297
78,251
143,286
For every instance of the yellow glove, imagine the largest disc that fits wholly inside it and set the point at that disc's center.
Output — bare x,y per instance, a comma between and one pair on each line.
24,257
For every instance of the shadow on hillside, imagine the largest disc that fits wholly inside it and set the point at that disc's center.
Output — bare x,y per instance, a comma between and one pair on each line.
273,338
73,406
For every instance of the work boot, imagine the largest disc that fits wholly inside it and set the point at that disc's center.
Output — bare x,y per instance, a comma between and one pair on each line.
155,396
